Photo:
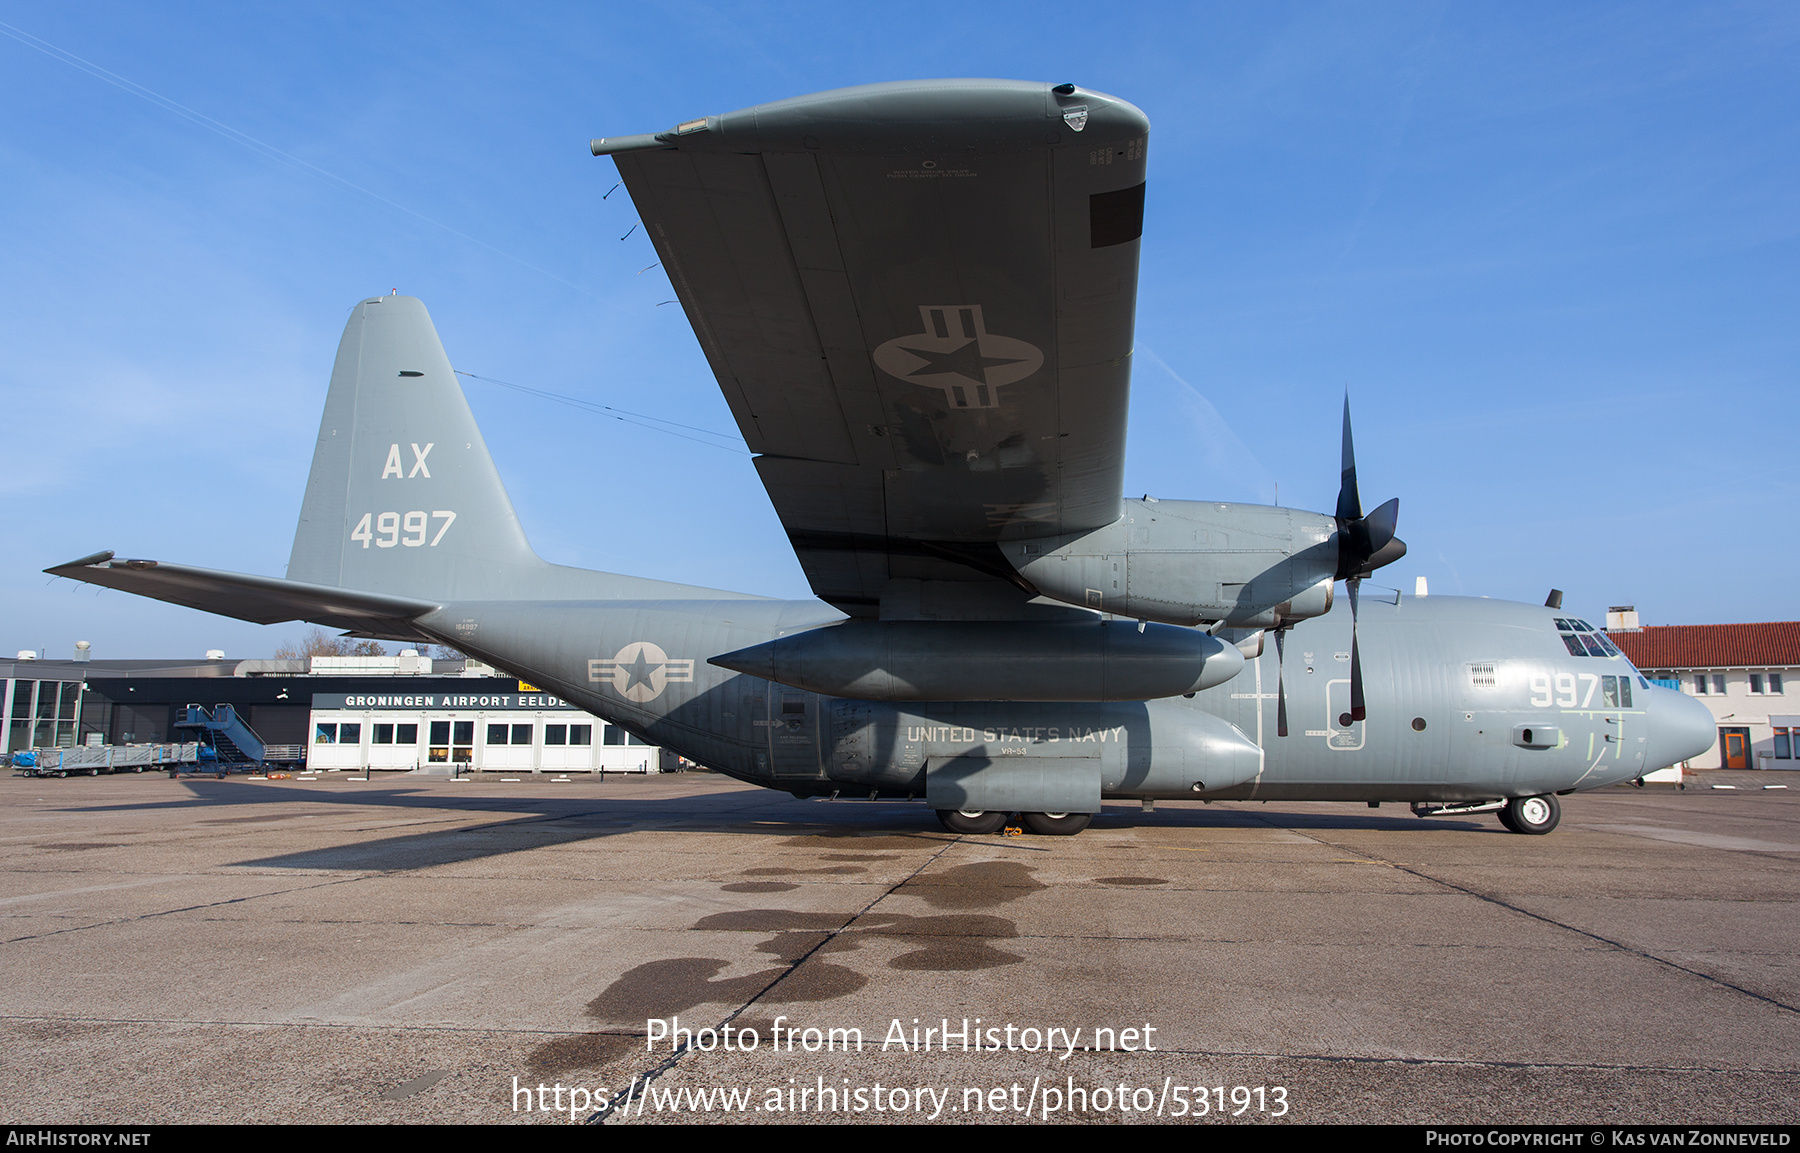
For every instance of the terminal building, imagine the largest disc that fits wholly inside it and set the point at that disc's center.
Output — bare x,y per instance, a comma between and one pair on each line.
1741,672
405,712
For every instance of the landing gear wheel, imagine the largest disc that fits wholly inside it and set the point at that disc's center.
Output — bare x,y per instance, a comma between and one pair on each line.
1056,824
967,822
1534,816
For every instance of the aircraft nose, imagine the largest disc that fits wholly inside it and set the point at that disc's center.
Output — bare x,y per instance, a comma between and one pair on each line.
1680,728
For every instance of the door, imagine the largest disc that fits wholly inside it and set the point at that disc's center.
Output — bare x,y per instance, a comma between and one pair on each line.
793,733
1734,748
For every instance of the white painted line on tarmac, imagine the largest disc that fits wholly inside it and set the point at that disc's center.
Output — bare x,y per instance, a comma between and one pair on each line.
1701,840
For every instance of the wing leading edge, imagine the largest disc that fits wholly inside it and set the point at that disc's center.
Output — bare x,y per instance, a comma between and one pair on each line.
918,299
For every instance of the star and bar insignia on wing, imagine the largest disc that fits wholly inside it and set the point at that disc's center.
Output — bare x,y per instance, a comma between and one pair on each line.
959,356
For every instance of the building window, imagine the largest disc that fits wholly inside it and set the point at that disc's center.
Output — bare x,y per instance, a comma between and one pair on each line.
1775,684
1756,684
556,735
581,734
1784,744
1699,684
350,734
1719,684
497,734
382,735
325,735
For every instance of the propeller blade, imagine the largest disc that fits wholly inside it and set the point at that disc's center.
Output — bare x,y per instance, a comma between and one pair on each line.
1280,688
1387,554
1365,543
1381,525
1358,711
1349,502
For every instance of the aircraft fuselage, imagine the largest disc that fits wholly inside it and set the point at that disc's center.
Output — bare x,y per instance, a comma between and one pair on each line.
1468,700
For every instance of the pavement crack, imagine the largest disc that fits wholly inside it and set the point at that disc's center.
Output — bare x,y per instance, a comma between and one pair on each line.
183,909
640,1082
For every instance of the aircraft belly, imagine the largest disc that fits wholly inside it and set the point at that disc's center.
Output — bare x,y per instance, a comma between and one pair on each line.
1130,749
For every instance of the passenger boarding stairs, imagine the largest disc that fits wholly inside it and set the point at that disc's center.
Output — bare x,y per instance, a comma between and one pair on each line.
232,741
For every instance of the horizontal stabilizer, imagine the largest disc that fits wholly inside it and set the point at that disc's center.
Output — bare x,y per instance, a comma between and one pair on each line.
262,600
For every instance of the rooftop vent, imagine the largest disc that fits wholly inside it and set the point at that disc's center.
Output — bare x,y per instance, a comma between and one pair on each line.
1622,619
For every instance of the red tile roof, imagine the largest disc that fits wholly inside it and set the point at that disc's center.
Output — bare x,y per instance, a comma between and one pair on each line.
1775,645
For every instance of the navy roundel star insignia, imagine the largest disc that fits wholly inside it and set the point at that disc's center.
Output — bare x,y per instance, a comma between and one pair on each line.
640,672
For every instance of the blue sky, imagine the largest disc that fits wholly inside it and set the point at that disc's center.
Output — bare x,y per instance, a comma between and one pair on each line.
1552,251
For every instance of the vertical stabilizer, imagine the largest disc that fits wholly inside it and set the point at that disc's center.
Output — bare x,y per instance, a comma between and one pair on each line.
403,497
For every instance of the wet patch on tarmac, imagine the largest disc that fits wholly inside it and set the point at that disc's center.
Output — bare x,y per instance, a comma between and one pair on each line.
587,1051
980,885
780,871
758,887
772,921
665,988
953,943
816,981
1131,880
85,845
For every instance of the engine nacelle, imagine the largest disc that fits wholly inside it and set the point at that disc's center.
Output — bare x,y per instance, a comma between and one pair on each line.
1187,562
1072,660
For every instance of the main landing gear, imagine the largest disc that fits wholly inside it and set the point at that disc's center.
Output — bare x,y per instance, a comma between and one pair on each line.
1531,815
1043,824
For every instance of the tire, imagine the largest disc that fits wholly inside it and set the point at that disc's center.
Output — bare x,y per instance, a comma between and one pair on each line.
1506,818
1056,824
962,822
1533,816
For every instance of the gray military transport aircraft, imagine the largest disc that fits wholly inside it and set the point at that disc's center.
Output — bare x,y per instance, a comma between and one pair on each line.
918,299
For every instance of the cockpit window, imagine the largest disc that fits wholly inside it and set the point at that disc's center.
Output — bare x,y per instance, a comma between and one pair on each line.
1583,639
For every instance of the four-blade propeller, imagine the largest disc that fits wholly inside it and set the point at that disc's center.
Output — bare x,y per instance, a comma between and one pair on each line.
1365,543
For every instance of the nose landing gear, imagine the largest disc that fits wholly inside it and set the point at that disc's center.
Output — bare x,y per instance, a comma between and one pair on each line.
1533,816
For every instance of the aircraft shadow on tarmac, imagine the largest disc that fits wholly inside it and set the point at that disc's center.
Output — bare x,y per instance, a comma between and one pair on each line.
539,822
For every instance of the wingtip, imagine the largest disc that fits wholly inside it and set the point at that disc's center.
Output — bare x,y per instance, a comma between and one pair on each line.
84,562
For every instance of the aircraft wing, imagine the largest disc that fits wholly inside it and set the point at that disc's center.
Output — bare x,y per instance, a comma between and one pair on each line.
918,300
261,600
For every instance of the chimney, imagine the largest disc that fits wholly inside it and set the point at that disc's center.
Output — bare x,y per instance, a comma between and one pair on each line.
1622,619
